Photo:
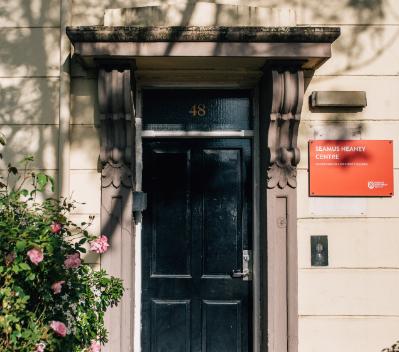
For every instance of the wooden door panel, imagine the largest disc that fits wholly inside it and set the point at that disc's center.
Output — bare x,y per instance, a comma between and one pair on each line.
170,334
194,231
221,326
220,191
170,207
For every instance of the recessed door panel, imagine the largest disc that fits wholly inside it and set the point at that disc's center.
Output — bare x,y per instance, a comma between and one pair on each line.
195,230
220,190
216,334
170,334
170,205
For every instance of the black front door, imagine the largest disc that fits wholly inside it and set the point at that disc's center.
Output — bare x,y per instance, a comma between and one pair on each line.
195,229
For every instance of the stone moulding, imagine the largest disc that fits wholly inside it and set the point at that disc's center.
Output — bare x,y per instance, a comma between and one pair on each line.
116,175
311,45
202,34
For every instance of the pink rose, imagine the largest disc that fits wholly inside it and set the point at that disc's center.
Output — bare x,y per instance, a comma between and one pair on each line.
35,255
95,346
72,261
55,227
59,328
40,347
56,286
99,245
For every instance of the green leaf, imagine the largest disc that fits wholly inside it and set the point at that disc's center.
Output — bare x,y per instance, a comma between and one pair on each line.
20,245
24,192
24,266
31,276
50,247
41,180
83,240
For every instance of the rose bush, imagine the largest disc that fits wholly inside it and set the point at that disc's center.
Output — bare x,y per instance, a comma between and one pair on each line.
49,299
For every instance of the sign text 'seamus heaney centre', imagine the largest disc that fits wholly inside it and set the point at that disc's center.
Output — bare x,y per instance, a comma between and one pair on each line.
351,168
241,156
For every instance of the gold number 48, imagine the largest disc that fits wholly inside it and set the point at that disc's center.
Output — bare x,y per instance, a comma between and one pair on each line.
198,110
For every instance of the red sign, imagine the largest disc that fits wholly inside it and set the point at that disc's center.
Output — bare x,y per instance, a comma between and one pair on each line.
351,168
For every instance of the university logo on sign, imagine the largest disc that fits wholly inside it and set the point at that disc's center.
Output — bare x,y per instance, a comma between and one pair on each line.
351,168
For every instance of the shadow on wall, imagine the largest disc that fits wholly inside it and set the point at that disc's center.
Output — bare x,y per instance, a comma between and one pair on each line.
29,106
364,41
358,48
393,348
21,13
361,47
89,12
29,83
356,11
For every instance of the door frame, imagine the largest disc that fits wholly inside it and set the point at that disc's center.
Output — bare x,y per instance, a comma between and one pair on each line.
278,106
254,137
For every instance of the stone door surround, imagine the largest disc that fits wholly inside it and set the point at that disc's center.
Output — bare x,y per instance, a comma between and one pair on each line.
281,57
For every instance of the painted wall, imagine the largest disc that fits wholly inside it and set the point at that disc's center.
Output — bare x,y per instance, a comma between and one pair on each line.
32,92
352,305
29,80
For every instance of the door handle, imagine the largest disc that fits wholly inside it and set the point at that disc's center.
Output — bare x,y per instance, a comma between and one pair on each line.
236,274
246,273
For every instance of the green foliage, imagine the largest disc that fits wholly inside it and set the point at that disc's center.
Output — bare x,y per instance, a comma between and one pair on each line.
28,302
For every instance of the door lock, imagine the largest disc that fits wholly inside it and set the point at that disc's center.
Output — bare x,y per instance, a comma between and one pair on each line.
246,273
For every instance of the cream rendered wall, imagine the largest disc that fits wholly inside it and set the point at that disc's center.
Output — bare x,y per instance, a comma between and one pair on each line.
29,81
352,304
91,12
33,77
85,181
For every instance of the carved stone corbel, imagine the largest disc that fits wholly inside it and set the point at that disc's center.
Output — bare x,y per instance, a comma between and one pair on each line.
116,105
285,113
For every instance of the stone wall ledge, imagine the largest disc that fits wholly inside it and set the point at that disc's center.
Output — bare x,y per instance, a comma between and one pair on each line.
203,34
